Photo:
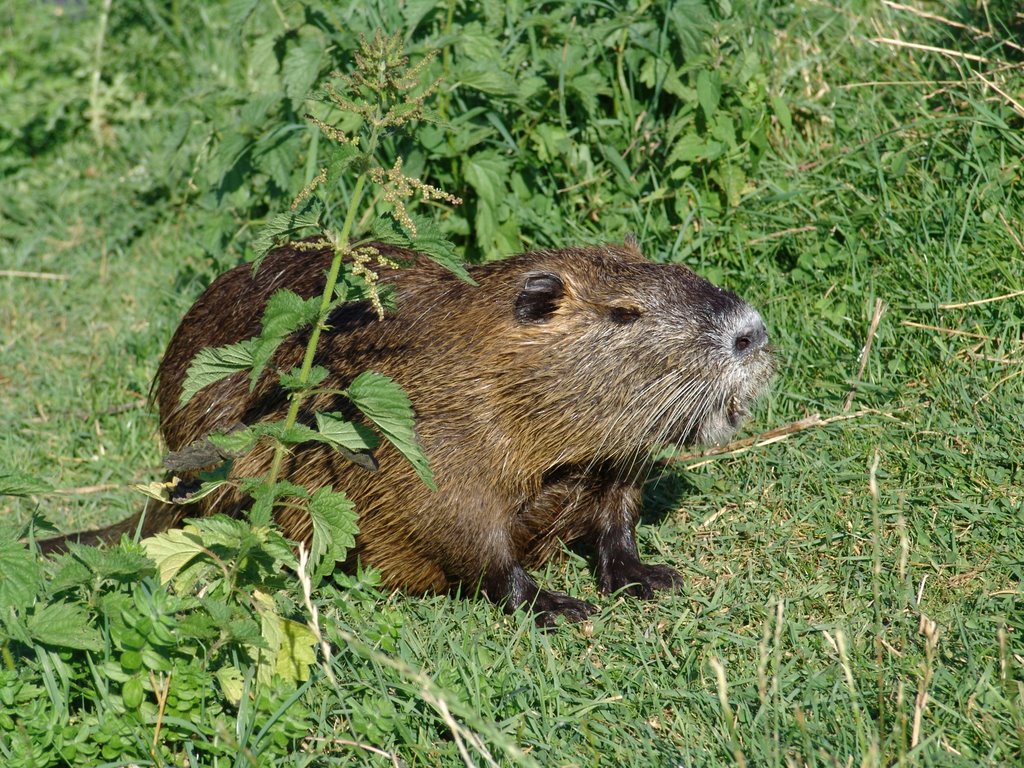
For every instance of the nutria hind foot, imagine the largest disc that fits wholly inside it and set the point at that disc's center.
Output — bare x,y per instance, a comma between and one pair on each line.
548,606
619,567
513,589
639,580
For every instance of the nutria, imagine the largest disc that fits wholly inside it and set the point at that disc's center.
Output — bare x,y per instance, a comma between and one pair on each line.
539,394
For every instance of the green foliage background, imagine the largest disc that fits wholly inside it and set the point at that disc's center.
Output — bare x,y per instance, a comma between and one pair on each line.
799,152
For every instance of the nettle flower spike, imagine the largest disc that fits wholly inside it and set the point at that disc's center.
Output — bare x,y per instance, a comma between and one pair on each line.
398,188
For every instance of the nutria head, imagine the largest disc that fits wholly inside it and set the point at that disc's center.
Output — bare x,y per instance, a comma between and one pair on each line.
612,355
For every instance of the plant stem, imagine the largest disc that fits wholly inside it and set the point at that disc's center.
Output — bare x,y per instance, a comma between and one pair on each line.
95,109
340,248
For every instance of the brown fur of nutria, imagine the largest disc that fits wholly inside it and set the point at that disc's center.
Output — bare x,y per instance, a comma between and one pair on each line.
539,394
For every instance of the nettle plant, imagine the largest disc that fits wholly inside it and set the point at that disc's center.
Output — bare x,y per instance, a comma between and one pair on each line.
382,98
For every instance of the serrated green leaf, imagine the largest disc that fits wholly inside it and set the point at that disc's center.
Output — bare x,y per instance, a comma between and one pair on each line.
173,550
338,157
384,402
487,172
301,66
238,442
295,653
19,484
231,683
221,530
70,573
264,495
429,241
338,431
20,575
285,313
487,79
277,155
110,562
782,112
290,644
291,379
64,625
215,363
732,181
286,226
226,155
334,529
709,92
239,12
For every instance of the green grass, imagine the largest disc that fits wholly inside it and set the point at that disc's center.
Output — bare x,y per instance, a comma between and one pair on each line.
849,629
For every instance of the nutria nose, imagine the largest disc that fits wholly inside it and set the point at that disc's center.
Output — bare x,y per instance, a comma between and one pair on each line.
750,338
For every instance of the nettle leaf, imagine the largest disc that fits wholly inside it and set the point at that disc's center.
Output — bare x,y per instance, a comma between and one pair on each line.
20,484
384,402
64,625
241,441
301,65
289,644
339,432
215,363
334,529
291,380
285,226
20,575
285,313
277,154
237,442
265,494
429,240
239,12
709,92
110,562
487,172
221,530
173,550
232,683
338,157
295,651
488,79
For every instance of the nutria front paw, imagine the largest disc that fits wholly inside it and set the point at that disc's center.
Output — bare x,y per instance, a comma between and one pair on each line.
548,606
639,580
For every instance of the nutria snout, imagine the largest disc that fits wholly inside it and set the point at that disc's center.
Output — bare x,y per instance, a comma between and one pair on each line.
539,394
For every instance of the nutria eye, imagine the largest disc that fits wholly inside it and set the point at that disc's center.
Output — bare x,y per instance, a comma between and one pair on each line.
539,297
624,315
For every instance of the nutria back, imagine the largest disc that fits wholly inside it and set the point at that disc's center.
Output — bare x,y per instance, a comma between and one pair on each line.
539,394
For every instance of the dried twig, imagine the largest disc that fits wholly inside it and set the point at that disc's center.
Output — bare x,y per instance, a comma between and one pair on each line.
82,490
931,48
32,275
782,233
976,302
314,615
1017,107
947,331
776,435
876,317
1011,232
947,22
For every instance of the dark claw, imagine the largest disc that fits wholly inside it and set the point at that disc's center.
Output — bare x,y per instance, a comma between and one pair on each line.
639,580
548,606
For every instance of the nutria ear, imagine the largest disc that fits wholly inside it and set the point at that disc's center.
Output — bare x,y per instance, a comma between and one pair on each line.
538,298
